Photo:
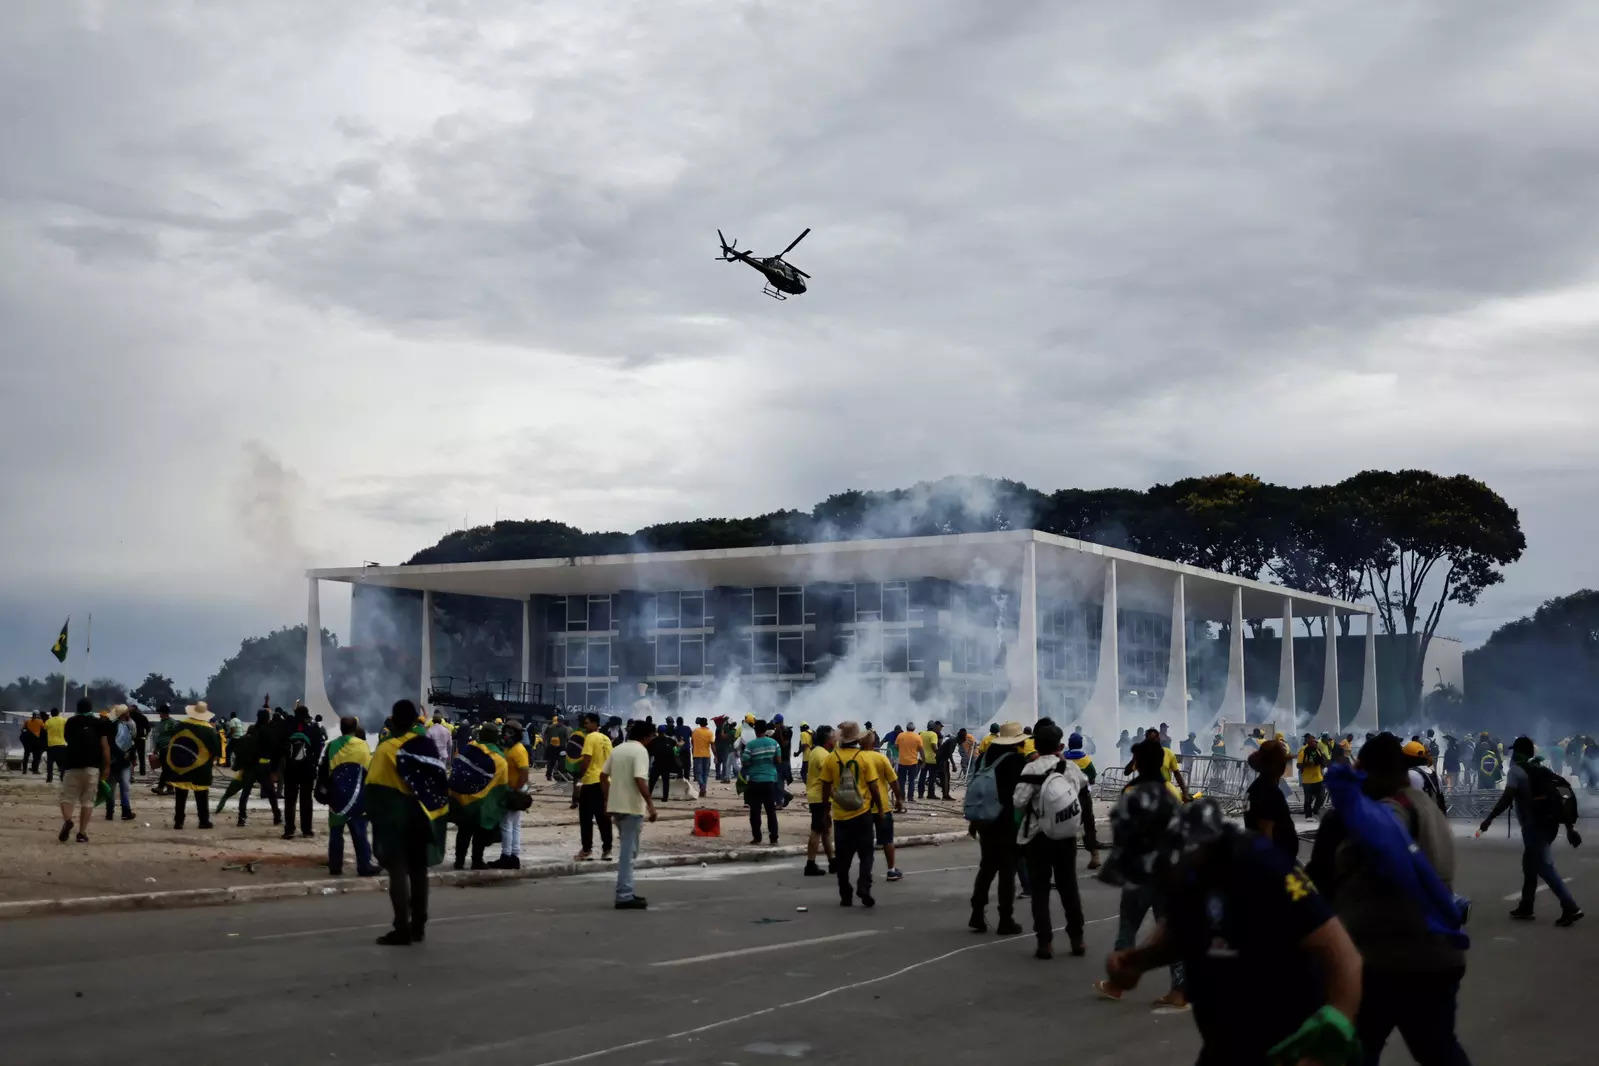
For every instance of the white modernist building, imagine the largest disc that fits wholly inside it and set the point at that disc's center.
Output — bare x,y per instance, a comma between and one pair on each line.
1003,625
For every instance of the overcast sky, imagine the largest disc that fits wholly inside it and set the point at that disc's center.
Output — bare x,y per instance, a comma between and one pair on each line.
299,283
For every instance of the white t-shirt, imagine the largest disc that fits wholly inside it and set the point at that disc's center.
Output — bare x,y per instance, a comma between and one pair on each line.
628,760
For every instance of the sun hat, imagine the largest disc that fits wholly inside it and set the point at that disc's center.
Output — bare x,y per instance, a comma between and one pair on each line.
199,711
1009,733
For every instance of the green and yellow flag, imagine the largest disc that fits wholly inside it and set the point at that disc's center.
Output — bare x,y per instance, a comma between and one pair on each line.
59,648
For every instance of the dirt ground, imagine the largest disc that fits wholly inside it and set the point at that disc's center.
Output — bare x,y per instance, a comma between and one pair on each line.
148,855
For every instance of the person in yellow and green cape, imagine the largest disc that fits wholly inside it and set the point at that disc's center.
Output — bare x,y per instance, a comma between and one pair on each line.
341,784
478,785
407,797
191,754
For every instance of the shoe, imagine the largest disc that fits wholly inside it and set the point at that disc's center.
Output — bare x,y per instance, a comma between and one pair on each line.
1022,893
66,830
335,871
1522,915
1569,918
1007,927
867,899
205,825
288,836
832,867
846,901
1172,1002
583,856
241,823
128,816
507,862
1079,949
83,838
1106,990
978,924
277,819
306,834
418,933
396,938
755,843
772,842
894,874
368,873
460,864
813,870
1093,861
605,856
637,903
1044,952
108,816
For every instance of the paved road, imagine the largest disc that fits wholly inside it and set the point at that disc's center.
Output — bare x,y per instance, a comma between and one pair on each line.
721,969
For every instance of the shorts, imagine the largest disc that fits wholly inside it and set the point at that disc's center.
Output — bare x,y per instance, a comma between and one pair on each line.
821,817
885,828
78,787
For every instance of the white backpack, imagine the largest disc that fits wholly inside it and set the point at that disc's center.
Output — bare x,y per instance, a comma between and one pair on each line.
1057,806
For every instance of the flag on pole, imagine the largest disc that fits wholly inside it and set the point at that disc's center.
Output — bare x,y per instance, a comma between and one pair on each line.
59,648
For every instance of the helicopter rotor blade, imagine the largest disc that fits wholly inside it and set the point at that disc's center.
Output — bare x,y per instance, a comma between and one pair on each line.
798,271
796,240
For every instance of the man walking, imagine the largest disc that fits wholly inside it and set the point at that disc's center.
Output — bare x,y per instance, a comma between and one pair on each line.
908,743
55,745
821,837
926,787
341,783
516,775
1051,813
887,799
847,782
300,758
1538,830
555,735
590,795
160,735
701,741
626,785
761,776
192,752
406,799
996,836
1310,760
123,740
256,765
85,761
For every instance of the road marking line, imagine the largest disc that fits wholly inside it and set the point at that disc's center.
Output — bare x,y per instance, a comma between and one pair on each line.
1514,896
455,1054
762,949
379,925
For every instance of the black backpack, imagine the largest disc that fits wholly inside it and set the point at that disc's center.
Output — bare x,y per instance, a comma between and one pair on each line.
1554,801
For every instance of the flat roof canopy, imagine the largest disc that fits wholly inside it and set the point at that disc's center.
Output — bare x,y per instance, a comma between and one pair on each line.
1066,569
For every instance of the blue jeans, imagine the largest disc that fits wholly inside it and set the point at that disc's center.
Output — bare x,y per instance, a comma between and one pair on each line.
907,779
1536,862
629,826
123,776
1137,901
363,850
702,771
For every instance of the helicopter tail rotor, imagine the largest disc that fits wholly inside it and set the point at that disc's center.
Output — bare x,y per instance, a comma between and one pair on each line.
729,251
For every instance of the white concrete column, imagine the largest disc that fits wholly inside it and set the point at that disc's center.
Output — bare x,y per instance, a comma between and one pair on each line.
1232,697
1287,715
1102,711
427,651
527,641
316,692
1021,663
1174,701
1327,715
1366,718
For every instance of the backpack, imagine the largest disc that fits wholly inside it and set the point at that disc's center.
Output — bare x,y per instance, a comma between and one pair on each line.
574,747
1058,807
982,794
299,755
847,794
1553,799
1429,785
1314,756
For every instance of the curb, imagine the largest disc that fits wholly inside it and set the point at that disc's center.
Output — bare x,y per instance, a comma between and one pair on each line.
343,886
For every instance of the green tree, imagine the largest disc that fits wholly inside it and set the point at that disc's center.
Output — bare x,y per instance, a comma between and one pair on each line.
155,690
1539,670
266,667
1327,541
1444,540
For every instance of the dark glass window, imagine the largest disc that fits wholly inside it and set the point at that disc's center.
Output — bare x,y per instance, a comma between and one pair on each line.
691,610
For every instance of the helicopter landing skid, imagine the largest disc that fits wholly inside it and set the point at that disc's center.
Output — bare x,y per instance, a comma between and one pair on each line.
773,293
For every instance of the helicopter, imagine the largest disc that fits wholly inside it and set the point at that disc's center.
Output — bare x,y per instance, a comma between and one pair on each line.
781,277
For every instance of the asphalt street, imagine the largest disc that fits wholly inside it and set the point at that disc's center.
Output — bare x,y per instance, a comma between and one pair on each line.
723,968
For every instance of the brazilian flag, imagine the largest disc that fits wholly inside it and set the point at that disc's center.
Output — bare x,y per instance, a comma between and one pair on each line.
346,780
59,648
191,755
479,777
407,780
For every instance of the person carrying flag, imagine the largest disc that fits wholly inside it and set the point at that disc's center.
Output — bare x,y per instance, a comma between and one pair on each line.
341,784
406,799
478,788
192,752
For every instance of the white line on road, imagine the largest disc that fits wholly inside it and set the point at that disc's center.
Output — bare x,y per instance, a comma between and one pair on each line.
380,925
762,949
1541,887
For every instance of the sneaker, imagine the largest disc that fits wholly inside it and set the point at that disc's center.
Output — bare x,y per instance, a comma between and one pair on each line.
128,816
66,830
1106,990
813,870
755,843
867,899
846,901
306,834
83,838
205,825
1173,1002
894,874
978,924
1044,951
1079,949
583,856
395,938
1007,927
637,903
418,933
1093,861
1522,915
1569,918
605,856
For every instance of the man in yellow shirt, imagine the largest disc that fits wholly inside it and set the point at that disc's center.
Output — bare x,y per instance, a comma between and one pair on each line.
806,741
590,794
55,739
886,799
909,746
821,837
926,779
1310,760
1170,768
700,743
847,781
516,774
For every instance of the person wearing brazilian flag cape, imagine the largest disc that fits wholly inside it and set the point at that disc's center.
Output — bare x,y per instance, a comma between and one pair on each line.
341,784
406,800
192,751
479,780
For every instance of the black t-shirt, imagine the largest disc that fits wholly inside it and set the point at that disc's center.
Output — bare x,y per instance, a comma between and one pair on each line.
1238,934
83,733
1267,803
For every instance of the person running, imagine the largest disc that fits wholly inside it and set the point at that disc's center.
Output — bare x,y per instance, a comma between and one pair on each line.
625,780
590,796
1539,827
886,800
847,782
1310,760
340,783
908,746
1412,970
1051,817
1267,810
85,761
996,837
407,797
821,837
191,755
761,775
1271,971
